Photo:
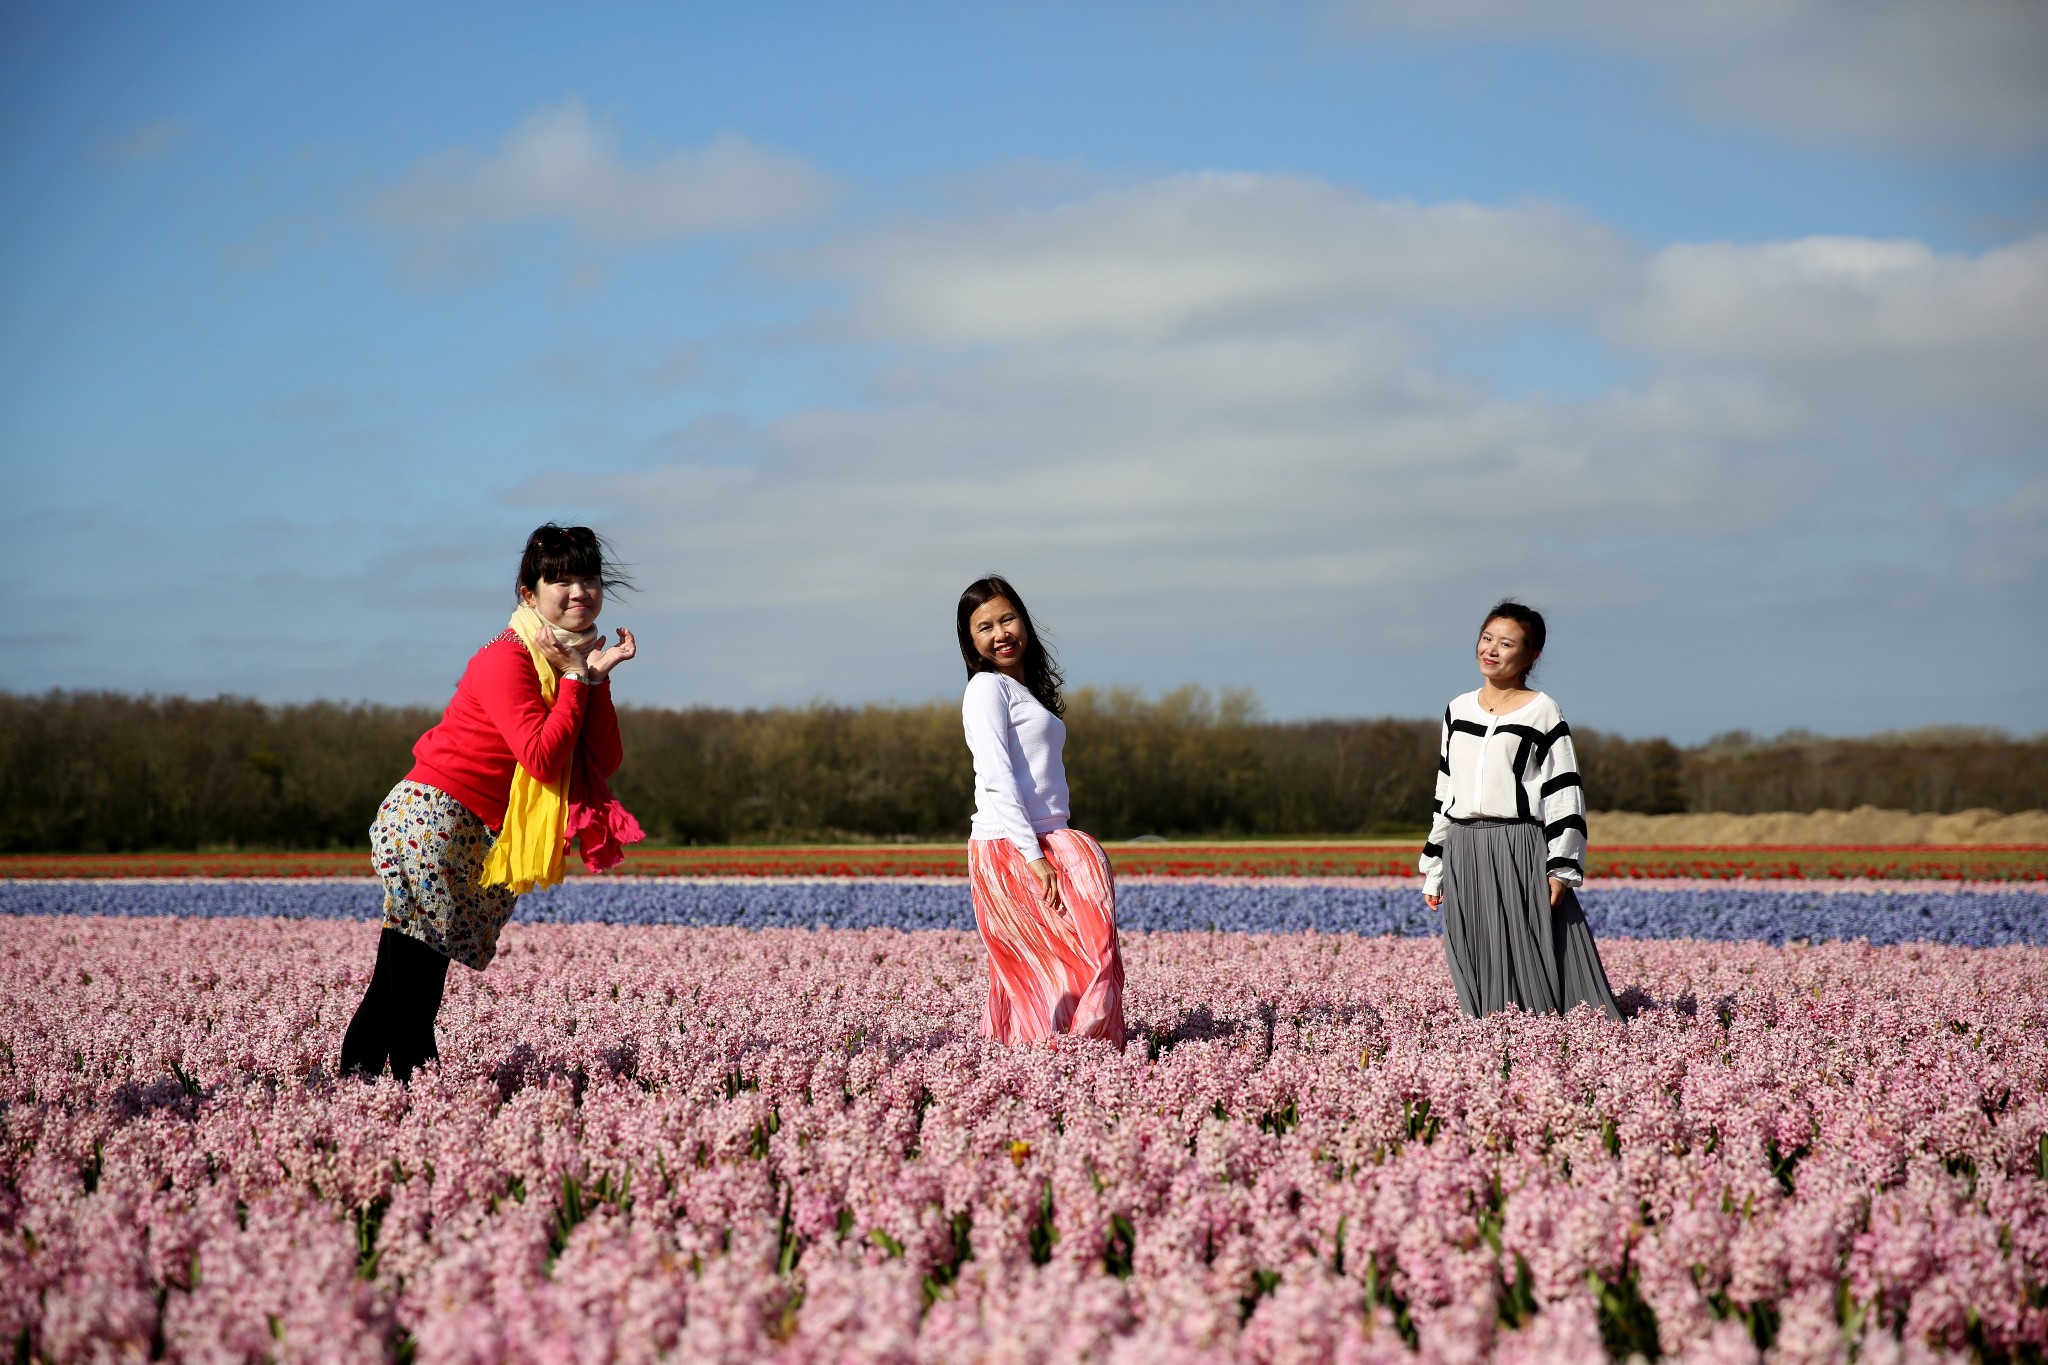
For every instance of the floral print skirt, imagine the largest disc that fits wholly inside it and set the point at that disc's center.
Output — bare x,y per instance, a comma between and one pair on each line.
429,850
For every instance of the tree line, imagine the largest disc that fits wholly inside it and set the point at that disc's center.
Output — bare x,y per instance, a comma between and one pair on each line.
102,771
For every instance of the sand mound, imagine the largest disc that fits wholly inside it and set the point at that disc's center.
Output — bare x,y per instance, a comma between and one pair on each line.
1864,825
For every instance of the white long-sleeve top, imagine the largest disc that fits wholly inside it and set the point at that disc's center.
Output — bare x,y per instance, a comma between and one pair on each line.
1020,771
1516,766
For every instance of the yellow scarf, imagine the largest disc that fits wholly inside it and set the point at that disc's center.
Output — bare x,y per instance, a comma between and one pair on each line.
529,853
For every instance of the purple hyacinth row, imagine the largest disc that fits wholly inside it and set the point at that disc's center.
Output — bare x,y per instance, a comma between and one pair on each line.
1979,915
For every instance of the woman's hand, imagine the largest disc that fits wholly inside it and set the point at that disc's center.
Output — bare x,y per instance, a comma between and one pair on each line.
559,659
1557,890
1048,882
1432,901
602,661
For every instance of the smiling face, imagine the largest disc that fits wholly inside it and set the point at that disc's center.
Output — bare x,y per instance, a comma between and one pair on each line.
570,603
1503,653
997,629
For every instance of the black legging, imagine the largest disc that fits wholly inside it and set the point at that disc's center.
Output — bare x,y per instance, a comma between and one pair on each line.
395,1022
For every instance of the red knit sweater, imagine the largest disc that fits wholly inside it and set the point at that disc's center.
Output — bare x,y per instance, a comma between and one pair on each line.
497,719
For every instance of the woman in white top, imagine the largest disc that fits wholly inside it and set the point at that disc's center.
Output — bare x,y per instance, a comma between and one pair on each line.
1044,897
1507,844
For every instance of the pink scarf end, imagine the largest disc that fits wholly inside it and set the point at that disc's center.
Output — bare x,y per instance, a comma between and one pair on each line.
601,832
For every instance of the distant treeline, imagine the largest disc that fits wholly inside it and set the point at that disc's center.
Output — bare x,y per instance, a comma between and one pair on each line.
94,771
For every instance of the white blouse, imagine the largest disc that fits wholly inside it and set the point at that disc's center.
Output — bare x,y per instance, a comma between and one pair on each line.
1020,774
1516,766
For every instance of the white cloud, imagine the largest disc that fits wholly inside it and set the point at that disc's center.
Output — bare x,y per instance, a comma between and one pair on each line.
1276,263
1126,475
1907,72
1212,422
1198,510
560,165
1216,251
1894,321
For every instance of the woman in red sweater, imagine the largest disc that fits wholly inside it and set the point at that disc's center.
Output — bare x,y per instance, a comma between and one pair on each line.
531,729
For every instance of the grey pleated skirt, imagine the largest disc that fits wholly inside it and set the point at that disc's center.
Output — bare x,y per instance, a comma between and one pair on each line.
1505,943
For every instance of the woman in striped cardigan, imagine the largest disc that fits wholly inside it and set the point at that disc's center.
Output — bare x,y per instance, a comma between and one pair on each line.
1507,844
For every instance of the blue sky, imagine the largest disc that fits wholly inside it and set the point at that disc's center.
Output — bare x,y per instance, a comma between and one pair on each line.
1263,346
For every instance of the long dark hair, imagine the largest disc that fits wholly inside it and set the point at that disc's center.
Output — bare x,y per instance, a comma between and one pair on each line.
1041,673
559,553
1531,622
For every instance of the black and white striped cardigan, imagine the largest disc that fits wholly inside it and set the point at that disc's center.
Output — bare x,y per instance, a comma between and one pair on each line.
1527,752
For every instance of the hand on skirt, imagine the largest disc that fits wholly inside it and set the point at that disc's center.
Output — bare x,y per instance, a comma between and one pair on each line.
1048,881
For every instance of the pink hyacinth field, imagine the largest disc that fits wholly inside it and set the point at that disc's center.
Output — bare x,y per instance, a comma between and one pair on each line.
723,1144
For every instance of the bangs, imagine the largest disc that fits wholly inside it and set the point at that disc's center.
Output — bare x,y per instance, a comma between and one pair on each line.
561,553
559,563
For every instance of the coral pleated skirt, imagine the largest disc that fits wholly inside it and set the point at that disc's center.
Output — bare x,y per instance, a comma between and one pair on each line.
1051,970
